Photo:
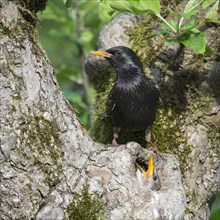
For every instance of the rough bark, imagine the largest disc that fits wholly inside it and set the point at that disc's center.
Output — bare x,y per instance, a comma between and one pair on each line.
47,156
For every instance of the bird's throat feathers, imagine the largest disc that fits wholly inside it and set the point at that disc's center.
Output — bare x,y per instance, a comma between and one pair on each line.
129,75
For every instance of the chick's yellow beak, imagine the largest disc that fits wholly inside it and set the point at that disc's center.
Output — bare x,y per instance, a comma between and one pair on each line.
101,53
150,170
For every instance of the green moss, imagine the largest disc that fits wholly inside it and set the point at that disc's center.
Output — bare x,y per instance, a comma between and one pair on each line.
85,207
214,136
142,42
166,128
103,80
199,103
39,144
168,136
4,30
190,195
170,124
102,77
12,109
196,61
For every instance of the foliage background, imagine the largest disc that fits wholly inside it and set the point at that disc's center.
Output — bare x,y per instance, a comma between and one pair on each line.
68,31
68,34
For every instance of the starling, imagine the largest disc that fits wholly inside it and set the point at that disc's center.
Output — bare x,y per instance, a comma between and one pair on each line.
133,100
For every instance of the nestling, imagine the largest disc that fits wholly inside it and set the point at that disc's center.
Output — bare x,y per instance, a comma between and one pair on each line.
133,100
153,180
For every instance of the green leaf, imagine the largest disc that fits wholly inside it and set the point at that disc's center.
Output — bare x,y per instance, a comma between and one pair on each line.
190,10
149,5
192,4
190,13
106,11
188,25
171,41
215,209
136,6
167,26
196,41
208,51
123,6
212,14
207,3
174,13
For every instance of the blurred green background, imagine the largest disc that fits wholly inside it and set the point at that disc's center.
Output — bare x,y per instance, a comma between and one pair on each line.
68,31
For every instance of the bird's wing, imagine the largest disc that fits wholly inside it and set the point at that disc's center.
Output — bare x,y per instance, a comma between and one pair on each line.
110,104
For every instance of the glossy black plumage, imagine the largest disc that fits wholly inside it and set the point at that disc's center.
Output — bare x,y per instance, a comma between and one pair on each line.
133,100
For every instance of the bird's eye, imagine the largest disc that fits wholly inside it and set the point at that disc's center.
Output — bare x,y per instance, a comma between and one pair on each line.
118,53
154,177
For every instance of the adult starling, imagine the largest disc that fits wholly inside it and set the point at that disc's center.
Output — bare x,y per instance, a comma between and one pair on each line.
133,100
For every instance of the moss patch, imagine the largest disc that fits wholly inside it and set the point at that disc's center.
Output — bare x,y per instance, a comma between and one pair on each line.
103,81
85,207
166,129
40,145
168,134
142,42
214,136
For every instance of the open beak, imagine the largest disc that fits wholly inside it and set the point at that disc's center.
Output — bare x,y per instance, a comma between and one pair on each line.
152,181
101,53
150,170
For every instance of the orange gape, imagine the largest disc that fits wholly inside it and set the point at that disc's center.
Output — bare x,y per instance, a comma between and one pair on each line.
150,170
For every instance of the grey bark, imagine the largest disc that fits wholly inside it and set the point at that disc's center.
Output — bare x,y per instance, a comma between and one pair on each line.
46,155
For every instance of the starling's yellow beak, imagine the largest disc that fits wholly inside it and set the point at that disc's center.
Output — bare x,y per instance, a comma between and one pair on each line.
101,53
150,170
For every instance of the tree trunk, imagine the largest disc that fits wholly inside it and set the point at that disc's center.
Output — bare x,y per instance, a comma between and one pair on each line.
47,156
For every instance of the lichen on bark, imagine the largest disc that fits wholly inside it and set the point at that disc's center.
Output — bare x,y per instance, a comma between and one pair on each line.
41,137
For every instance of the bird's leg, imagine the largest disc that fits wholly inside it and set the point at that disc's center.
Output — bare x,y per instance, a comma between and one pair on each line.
115,136
148,140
